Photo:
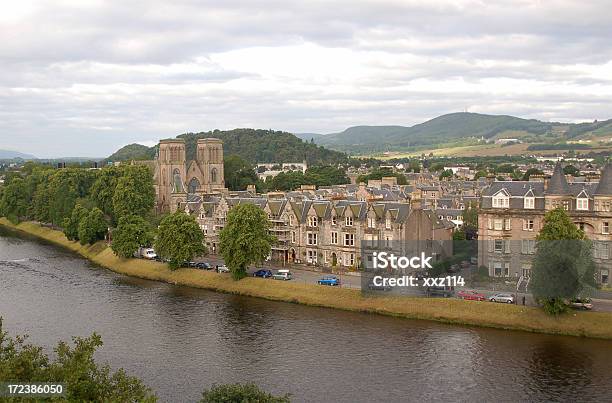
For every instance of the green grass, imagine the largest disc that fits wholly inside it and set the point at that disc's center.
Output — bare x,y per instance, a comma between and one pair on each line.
502,316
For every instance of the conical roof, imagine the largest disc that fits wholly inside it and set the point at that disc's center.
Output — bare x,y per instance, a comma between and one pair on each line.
558,183
605,181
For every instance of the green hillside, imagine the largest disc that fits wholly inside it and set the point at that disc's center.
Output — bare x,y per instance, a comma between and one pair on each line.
251,144
444,129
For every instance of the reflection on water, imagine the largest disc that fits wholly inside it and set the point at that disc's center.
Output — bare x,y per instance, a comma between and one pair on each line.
181,340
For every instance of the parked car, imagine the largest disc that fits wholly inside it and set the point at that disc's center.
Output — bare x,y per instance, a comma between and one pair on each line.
149,253
581,303
191,264
440,291
263,273
329,280
374,287
471,295
203,266
502,297
282,275
223,269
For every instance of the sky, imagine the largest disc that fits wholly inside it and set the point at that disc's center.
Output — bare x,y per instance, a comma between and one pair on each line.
83,78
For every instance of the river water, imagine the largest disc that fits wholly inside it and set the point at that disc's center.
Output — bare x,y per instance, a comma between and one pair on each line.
181,340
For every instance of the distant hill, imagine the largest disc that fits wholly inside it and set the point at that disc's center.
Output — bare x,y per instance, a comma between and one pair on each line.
251,144
133,152
457,127
8,155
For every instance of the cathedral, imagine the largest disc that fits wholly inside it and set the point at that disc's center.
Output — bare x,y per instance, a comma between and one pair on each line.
177,180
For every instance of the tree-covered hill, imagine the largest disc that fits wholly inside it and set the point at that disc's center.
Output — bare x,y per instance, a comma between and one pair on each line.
253,145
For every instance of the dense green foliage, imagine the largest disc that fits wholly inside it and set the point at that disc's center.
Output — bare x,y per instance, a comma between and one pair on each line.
71,224
14,202
238,173
92,227
319,176
133,152
240,393
85,380
179,239
379,173
563,267
245,239
134,193
132,233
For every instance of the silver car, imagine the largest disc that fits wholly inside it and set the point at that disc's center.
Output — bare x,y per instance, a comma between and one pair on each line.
502,297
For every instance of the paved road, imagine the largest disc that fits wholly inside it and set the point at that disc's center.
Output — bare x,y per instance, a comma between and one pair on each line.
349,281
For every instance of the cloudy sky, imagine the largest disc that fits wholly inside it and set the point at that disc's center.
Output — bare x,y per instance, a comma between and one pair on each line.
82,78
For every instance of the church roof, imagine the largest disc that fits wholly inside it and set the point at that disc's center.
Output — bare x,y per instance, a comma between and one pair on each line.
558,183
605,181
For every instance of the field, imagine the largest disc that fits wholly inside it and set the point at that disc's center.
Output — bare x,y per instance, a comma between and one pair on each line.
588,324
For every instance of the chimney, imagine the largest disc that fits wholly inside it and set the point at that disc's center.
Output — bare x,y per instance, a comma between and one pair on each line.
251,188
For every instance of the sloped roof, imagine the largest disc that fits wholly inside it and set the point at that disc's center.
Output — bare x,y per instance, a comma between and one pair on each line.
558,183
605,181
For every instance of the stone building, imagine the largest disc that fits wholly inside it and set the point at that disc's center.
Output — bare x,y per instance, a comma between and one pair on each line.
177,179
512,214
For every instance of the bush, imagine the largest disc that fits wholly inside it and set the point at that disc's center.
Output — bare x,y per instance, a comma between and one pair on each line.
554,306
240,393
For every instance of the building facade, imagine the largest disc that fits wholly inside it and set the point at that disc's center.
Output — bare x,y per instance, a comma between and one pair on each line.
512,214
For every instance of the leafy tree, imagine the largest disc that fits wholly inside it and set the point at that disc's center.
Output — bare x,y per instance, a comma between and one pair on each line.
438,166
470,220
447,173
531,171
92,227
14,202
103,189
563,266
238,173
71,224
238,393
379,173
85,380
571,170
245,238
179,239
505,168
134,193
131,233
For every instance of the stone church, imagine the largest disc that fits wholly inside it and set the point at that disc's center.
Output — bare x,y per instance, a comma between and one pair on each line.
177,180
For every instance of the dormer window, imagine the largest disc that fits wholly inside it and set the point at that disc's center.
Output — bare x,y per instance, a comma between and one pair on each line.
334,220
529,203
582,203
348,221
500,200
388,223
312,221
371,222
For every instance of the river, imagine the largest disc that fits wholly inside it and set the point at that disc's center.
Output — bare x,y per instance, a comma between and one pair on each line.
181,340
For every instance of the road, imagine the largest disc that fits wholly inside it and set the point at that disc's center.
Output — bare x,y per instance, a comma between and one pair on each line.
305,276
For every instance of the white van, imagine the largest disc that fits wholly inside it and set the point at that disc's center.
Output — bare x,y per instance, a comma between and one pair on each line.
282,275
149,253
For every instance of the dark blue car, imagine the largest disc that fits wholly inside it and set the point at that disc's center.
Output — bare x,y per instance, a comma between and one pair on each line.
329,280
263,273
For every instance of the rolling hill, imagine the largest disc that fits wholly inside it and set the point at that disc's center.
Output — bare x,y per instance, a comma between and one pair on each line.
9,154
456,128
252,145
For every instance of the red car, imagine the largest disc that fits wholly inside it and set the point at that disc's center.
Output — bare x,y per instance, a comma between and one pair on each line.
471,295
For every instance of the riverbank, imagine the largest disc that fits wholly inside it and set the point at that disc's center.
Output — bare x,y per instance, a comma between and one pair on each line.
501,316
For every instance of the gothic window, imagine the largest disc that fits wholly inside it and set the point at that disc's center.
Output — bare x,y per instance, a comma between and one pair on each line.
194,185
213,175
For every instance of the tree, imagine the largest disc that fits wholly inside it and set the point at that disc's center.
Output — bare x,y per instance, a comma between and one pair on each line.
531,171
447,173
134,193
103,189
240,393
71,224
92,227
84,379
238,173
179,239
571,170
563,267
132,232
245,238
14,202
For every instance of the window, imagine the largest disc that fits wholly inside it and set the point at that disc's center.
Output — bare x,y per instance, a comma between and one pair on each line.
507,224
501,201
349,239
290,219
312,221
529,203
497,269
498,224
601,250
371,222
388,223
311,256
605,276
311,238
334,238
605,227
351,259
582,204
334,220
499,245
528,225
566,205
348,221
528,246
293,236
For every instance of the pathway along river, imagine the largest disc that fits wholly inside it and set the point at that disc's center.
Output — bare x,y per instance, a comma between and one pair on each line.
181,340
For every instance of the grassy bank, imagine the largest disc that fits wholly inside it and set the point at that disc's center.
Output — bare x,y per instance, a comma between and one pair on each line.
502,316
